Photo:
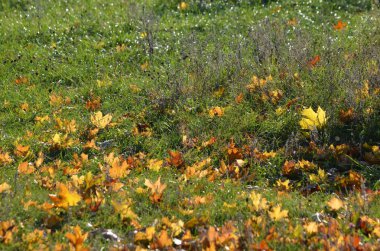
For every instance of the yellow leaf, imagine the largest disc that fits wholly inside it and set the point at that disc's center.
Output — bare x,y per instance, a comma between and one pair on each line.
65,198
216,111
335,204
183,6
124,210
99,120
311,227
276,213
313,120
155,165
5,187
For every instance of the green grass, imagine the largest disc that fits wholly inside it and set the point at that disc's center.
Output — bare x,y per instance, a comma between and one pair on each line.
158,69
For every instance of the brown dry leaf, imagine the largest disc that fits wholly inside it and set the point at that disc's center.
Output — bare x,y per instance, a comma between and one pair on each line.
4,187
101,121
144,66
346,116
292,22
335,204
77,239
65,197
175,159
234,152
239,98
156,189
55,100
93,104
25,168
24,107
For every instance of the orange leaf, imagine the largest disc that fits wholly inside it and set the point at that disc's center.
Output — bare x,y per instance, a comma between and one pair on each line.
216,111
156,189
21,80
340,25
119,168
65,198
175,159
25,168
77,238
313,62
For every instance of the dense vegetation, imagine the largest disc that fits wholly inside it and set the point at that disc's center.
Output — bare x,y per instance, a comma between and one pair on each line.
203,124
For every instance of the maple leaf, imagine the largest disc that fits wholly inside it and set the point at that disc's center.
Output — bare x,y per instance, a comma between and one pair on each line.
283,185
124,210
163,241
65,198
101,121
156,189
335,204
175,159
340,25
119,168
313,120
21,150
5,158
25,168
77,239
93,104
276,214
258,202
5,187
311,227
216,111
155,164
145,236
7,229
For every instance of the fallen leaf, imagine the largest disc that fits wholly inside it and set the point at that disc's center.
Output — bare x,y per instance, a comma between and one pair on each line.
335,204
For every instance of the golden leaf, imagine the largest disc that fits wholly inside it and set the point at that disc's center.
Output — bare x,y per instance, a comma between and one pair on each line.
313,120
156,189
216,111
100,121
119,168
335,204
65,198
77,238
124,210
183,6
5,187
155,164
276,214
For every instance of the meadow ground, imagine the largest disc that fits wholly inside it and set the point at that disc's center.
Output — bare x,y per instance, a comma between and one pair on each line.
161,124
